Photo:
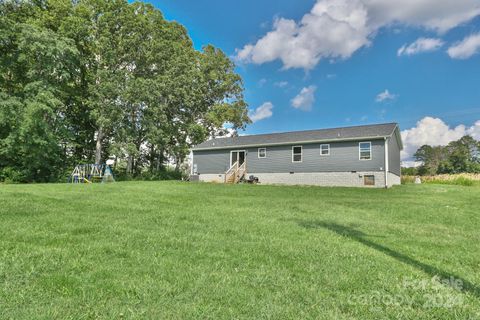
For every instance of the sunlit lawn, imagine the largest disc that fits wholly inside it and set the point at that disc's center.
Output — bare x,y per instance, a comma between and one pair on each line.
166,250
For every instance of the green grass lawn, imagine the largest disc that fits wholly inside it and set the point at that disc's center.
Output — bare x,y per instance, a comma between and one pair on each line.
172,250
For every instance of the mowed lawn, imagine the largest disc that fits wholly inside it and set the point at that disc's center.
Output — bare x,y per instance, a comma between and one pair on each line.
173,250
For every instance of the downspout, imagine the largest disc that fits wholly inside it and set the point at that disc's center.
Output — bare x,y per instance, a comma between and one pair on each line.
386,162
191,163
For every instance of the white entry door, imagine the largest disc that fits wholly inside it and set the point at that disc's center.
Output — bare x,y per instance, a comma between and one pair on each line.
237,155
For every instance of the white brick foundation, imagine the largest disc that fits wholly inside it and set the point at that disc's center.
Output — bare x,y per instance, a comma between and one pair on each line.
212,177
339,179
393,179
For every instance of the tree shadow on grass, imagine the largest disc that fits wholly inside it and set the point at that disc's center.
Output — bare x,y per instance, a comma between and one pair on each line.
359,236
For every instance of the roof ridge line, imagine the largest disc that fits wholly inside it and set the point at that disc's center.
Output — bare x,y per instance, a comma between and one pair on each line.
308,130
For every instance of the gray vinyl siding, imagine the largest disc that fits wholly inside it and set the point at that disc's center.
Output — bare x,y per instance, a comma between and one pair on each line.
394,155
344,156
211,161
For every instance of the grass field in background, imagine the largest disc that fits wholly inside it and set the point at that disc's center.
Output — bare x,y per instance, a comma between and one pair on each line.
461,179
173,250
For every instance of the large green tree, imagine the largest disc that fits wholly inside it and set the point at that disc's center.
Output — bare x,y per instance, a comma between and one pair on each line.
458,156
462,156
81,80
37,70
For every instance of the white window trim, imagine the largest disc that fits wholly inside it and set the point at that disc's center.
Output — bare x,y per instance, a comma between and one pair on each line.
360,151
328,148
301,154
258,153
231,154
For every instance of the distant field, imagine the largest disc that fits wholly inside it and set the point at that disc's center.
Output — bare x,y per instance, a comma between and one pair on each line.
465,179
172,250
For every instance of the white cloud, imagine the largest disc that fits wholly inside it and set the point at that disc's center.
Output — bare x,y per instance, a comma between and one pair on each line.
465,48
434,132
262,82
281,84
420,45
302,45
336,29
410,163
385,96
262,112
227,131
474,130
305,99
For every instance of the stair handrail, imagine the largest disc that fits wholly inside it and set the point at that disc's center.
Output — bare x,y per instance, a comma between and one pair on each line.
240,172
231,170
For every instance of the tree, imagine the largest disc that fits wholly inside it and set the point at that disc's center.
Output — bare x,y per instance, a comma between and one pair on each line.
37,68
463,155
81,80
431,158
458,156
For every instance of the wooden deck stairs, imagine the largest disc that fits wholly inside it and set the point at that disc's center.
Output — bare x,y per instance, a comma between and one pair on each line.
236,173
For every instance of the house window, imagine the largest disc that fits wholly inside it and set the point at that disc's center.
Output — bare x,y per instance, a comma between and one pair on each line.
262,152
365,150
324,149
369,180
297,154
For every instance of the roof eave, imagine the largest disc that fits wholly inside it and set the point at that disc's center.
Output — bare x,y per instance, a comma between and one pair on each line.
293,142
398,136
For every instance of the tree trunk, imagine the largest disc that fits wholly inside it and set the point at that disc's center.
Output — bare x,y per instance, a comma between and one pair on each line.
158,163
160,159
98,148
129,164
136,160
152,158
135,166
178,162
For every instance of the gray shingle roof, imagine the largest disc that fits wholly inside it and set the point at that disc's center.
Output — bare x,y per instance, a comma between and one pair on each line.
333,134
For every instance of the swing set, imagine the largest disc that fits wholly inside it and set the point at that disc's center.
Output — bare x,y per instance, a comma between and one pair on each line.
90,173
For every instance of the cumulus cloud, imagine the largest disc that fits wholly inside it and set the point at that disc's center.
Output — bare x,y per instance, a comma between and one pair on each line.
262,112
434,132
333,29
305,99
465,48
474,130
385,96
420,45
336,29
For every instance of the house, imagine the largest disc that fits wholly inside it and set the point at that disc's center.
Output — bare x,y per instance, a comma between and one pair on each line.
366,155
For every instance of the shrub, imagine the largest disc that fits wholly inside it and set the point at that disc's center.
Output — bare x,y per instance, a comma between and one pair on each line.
164,174
407,179
11,175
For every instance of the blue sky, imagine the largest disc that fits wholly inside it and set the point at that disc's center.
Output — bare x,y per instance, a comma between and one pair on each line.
340,74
